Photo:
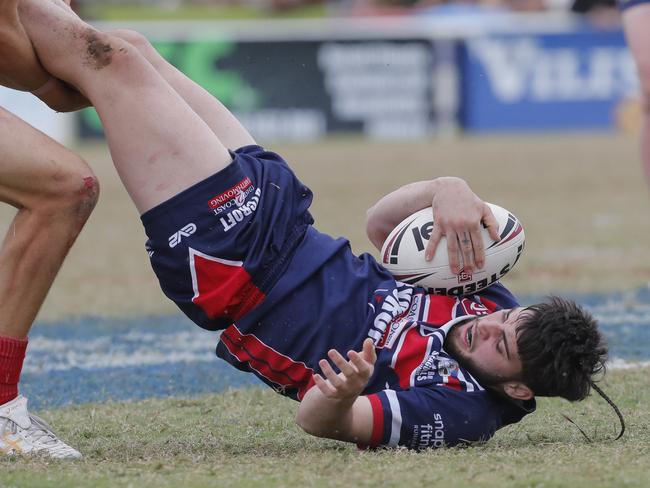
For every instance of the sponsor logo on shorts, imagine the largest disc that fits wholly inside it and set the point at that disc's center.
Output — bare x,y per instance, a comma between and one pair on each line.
232,197
234,217
176,237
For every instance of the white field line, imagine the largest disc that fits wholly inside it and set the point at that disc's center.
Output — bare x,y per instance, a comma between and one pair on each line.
617,363
146,349
131,349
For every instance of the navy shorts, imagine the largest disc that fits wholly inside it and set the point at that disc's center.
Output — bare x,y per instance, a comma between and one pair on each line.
218,247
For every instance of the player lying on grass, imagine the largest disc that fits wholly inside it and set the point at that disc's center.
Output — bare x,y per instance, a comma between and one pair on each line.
372,361
54,192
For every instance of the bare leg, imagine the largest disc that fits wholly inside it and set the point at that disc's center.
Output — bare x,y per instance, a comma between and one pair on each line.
54,191
222,122
636,21
159,145
19,66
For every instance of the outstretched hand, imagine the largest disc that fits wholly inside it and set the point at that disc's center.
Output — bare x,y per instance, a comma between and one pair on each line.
354,375
458,215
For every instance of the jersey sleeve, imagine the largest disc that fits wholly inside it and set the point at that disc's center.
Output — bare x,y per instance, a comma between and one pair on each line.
421,418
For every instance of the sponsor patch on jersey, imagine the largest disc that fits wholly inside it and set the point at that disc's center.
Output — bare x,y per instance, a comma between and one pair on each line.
393,333
470,307
395,305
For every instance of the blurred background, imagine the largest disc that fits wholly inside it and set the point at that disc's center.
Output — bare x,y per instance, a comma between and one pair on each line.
301,70
533,102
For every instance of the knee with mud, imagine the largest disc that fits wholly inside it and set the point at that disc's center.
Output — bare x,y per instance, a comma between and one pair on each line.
115,57
100,48
132,37
140,42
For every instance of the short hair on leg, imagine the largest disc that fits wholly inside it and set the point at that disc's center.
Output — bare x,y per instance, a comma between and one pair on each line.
561,349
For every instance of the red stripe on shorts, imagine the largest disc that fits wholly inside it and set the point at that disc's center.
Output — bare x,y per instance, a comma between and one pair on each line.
268,362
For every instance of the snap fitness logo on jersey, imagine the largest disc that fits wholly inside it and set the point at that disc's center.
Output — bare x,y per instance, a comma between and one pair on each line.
394,306
232,197
176,237
430,435
234,217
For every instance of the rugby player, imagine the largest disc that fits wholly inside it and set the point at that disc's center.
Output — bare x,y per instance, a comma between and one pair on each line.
372,361
54,192
636,19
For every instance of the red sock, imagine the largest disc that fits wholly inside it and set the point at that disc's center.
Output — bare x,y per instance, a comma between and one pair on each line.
12,354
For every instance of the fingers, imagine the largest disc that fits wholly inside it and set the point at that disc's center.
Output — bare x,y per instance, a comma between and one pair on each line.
369,351
490,223
346,368
330,374
324,386
452,251
478,247
432,245
465,246
354,374
467,251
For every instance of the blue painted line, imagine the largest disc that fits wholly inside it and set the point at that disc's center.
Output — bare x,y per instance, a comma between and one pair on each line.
76,386
96,359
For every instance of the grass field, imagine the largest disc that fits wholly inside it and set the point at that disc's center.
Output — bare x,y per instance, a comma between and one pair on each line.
585,210
248,439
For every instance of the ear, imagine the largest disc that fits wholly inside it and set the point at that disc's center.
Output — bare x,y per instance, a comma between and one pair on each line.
517,390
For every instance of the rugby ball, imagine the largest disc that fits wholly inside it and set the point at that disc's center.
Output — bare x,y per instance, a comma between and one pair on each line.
403,255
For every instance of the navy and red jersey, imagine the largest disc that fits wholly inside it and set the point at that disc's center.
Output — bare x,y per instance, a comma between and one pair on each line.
238,252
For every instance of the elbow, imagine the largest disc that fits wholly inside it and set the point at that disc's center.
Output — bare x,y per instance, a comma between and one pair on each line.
374,231
308,427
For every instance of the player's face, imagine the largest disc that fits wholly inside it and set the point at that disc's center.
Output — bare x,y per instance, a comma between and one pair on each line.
487,346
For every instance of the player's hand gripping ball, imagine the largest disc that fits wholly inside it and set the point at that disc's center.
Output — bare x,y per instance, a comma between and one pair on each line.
403,254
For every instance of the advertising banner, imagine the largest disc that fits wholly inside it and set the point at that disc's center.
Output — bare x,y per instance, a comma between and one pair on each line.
306,89
573,80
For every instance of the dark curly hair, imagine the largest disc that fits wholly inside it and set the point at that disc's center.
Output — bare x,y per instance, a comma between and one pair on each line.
560,349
